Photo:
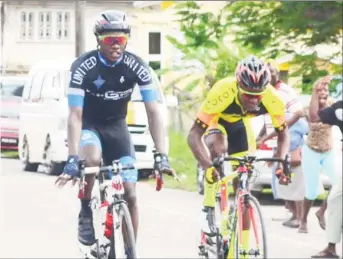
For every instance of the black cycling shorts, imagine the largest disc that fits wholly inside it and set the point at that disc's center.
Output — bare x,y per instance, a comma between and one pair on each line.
239,136
114,140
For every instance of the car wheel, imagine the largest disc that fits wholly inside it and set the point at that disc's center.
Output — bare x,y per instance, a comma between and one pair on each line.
200,180
56,168
144,173
50,167
29,167
256,194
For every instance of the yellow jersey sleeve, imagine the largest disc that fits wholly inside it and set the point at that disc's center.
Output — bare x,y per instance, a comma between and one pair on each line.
275,108
218,98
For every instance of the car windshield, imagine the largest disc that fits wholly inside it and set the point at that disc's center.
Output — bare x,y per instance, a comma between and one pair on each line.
12,86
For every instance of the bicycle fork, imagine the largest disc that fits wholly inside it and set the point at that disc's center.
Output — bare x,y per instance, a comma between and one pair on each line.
243,203
207,242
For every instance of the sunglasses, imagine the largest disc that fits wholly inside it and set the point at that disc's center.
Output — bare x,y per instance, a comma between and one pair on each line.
110,40
252,96
248,95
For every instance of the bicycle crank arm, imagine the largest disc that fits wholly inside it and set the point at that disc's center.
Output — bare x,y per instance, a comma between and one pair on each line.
254,252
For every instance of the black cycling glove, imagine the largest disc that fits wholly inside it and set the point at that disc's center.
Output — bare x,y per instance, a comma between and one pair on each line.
161,162
72,166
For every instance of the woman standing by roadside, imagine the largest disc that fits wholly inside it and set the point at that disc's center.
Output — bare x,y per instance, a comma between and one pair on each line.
317,153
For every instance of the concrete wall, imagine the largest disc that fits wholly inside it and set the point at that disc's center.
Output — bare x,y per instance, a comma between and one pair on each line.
20,54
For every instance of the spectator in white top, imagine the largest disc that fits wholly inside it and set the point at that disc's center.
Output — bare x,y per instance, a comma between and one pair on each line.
294,193
332,115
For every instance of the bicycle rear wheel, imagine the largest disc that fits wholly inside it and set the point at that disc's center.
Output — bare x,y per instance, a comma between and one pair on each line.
258,248
123,244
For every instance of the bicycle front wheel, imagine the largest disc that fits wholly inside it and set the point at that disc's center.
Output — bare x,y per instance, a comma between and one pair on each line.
123,244
253,245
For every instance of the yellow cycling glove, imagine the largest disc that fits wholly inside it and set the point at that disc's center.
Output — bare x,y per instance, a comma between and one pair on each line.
209,175
210,188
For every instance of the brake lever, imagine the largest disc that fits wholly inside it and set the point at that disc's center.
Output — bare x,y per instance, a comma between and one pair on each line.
218,161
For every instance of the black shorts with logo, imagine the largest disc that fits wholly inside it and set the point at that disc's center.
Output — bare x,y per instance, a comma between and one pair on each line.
114,140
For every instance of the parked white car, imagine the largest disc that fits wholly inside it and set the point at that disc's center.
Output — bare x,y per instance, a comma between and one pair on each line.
43,119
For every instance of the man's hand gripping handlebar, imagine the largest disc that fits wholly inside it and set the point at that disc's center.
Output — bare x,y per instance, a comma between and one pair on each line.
160,168
283,172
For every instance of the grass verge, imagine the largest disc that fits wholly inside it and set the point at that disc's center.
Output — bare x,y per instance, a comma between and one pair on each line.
183,161
9,154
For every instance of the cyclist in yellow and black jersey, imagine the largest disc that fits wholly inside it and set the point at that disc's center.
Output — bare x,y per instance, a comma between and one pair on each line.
224,120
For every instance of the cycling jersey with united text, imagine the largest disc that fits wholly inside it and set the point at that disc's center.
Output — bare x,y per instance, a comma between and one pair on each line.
104,90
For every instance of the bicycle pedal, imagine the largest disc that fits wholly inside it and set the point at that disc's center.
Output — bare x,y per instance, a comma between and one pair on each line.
255,252
202,251
98,254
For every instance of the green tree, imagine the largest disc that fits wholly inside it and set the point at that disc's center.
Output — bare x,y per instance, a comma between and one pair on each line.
268,29
279,28
205,41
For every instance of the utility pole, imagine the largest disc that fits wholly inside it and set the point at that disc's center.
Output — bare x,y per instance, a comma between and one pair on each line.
2,27
79,27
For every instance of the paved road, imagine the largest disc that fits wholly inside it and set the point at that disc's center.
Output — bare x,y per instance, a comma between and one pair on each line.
39,221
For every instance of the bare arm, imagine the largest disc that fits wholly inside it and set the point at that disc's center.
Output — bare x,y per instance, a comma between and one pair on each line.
314,107
314,103
290,122
197,145
156,126
74,129
283,143
262,133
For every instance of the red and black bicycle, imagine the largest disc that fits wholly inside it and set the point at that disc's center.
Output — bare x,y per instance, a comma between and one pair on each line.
242,230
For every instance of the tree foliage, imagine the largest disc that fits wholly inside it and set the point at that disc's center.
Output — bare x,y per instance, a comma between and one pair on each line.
204,41
268,29
279,28
264,24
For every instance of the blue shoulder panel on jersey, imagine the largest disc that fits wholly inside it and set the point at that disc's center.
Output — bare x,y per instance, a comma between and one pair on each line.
75,100
148,94
76,97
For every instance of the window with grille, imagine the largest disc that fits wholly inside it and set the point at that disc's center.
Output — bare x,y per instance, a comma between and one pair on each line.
45,25
27,25
62,25
155,51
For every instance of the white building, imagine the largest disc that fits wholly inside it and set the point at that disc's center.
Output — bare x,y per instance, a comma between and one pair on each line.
37,30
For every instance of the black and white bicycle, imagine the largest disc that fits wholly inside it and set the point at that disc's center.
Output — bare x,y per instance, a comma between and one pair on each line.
111,212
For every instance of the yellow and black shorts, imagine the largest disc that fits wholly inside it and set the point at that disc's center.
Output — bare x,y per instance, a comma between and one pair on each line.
240,136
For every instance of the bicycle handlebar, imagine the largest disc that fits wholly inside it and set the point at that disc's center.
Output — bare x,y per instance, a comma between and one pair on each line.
158,174
218,161
159,179
115,168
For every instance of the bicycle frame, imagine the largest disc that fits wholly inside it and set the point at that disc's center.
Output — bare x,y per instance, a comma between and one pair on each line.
242,201
242,192
244,171
222,189
101,200
114,205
